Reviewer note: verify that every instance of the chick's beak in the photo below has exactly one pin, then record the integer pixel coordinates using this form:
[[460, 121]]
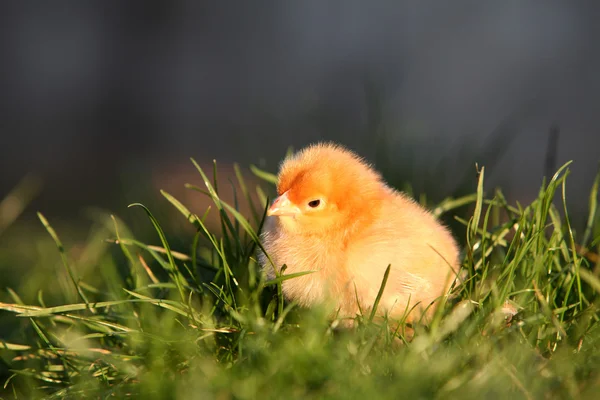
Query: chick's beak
[[282, 206]]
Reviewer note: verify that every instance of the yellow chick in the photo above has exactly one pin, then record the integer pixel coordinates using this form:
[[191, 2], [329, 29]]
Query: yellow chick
[[335, 215]]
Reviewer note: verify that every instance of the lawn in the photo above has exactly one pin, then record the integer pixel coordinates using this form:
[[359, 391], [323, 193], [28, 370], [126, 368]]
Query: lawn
[[148, 310]]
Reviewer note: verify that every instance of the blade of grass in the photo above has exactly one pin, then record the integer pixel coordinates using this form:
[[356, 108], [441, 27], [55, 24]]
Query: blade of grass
[[593, 206], [380, 293], [245, 192], [13, 205], [175, 273], [283, 278], [575, 257], [63, 257], [266, 176]]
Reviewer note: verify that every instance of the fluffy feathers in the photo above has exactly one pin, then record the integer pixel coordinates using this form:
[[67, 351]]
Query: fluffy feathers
[[335, 215]]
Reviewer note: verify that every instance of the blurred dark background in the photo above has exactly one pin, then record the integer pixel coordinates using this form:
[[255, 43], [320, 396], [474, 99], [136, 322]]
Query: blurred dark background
[[96, 97]]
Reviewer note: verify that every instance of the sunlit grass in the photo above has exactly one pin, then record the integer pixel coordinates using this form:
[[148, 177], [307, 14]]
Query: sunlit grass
[[117, 317]]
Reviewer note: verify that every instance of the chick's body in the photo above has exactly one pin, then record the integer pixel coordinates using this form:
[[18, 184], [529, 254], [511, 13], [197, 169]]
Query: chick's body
[[334, 215]]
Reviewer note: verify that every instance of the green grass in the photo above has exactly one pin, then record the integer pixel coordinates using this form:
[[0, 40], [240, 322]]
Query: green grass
[[189, 315]]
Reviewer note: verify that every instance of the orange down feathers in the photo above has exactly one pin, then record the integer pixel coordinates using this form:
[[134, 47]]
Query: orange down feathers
[[336, 216]]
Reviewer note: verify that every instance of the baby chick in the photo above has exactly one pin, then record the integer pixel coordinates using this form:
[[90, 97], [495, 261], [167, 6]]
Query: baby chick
[[336, 216]]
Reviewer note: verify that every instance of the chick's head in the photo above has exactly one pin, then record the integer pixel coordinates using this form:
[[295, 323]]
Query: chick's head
[[324, 188]]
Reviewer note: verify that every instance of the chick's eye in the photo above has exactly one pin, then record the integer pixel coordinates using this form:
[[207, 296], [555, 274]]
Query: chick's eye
[[314, 203]]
